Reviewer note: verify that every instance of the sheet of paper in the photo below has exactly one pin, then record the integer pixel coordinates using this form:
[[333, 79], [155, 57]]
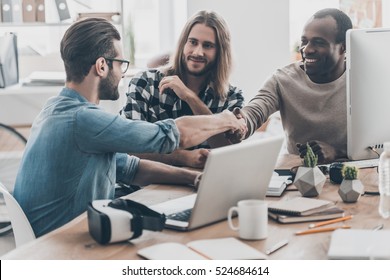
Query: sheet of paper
[[169, 251], [228, 248]]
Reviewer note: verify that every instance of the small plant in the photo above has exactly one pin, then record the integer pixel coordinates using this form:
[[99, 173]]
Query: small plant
[[310, 159], [349, 172]]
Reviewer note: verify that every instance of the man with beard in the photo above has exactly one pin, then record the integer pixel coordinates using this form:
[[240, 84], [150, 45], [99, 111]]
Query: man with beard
[[195, 82], [310, 94], [77, 152]]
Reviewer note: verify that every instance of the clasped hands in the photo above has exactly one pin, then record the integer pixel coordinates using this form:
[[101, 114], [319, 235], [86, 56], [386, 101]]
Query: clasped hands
[[236, 136], [239, 128]]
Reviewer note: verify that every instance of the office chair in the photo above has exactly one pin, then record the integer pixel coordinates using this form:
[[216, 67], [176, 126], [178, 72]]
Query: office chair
[[12, 145], [23, 231]]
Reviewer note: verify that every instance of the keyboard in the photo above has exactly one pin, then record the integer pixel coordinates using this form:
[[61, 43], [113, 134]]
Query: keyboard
[[366, 163], [183, 216]]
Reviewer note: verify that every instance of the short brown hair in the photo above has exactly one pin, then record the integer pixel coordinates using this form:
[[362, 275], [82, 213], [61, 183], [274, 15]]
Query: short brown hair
[[83, 43]]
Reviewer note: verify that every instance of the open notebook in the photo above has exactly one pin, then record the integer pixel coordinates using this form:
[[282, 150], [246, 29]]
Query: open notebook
[[228, 248], [232, 173]]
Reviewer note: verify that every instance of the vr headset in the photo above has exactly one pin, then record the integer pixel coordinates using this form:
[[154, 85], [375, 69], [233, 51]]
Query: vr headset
[[117, 220]]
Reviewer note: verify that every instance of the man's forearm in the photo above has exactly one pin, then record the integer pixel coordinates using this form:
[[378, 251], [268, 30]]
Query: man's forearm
[[199, 108], [252, 118], [174, 158], [190, 158], [196, 129], [152, 172]]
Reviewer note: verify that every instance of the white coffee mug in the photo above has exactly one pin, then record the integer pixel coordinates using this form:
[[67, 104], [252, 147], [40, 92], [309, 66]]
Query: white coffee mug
[[252, 219]]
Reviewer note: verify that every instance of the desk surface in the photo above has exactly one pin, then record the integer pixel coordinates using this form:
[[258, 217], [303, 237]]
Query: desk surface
[[30, 100], [73, 241]]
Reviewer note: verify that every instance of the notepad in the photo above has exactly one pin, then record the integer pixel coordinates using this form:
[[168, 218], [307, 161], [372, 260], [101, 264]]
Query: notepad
[[45, 78], [228, 248], [277, 185], [327, 214], [299, 206]]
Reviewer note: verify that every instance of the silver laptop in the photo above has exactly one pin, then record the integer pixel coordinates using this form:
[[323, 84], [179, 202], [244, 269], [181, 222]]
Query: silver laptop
[[231, 174]]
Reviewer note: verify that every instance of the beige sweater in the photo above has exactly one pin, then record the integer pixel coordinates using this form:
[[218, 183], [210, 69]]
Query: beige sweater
[[309, 111]]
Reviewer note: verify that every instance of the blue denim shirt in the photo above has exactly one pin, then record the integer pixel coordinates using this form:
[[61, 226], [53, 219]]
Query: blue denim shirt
[[75, 154]]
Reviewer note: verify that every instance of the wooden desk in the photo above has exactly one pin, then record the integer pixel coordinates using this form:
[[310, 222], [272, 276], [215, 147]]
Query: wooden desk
[[73, 241]]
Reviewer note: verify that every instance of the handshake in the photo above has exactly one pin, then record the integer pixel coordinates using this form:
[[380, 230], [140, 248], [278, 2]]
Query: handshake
[[237, 135]]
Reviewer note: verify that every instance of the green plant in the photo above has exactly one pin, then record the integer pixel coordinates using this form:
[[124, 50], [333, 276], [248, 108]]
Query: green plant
[[349, 172], [310, 159]]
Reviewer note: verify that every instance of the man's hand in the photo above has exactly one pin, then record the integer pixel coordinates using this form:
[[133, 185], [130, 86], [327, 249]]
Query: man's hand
[[326, 153], [174, 83], [238, 135], [197, 181], [238, 124], [194, 158]]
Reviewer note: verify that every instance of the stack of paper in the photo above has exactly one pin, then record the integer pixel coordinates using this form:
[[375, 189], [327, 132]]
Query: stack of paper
[[300, 206], [303, 209], [327, 214], [277, 185], [45, 78]]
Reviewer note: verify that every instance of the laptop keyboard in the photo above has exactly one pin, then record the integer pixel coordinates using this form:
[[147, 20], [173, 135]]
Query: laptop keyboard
[[183, 216]]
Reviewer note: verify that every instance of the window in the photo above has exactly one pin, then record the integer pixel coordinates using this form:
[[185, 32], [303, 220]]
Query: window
[[363, 13], [151, 27]]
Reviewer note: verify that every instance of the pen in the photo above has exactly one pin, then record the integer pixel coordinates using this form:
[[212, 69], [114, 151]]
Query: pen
[[378, 227], [315, 230], [277, 246], [331, 221]]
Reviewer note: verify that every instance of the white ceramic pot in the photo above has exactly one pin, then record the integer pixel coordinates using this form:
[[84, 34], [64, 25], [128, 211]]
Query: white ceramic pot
[[309, 181]]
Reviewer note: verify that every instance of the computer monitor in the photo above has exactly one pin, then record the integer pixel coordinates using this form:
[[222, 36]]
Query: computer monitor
[[368, 91]]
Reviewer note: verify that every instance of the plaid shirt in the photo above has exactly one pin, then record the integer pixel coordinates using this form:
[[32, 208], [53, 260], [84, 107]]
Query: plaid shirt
[[144, 101]]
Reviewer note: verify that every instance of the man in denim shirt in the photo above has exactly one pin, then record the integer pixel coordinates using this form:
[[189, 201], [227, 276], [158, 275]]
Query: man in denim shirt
[[76, 151]]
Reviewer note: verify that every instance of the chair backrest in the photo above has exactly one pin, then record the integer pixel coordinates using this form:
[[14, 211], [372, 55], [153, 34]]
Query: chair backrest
[[22, 229]]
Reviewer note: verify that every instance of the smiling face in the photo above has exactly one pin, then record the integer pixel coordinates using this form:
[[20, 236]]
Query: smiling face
[[200, 50], [323, 58]]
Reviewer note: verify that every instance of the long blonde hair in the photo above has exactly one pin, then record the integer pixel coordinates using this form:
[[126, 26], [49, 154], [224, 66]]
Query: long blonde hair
[[219, 76]]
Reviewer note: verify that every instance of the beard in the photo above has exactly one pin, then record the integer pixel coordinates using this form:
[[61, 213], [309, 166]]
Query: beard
[[198, 73], [108, 89]]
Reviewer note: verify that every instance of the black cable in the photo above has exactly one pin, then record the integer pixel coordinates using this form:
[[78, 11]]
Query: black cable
[[371, 193], [372, 148]]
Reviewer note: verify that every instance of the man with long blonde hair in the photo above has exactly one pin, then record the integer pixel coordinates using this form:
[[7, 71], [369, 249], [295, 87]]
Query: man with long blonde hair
[[195, 82]]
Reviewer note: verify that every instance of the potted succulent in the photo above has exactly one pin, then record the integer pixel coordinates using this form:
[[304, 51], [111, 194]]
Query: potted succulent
[[351, 187], [309, 179]]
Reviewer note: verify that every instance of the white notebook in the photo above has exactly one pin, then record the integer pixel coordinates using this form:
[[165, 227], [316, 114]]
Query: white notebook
[[228, 248], [277, 185], [299, 206]]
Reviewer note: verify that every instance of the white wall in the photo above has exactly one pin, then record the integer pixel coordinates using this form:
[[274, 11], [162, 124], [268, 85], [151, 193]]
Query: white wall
[[260, 37], [301, 12]]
